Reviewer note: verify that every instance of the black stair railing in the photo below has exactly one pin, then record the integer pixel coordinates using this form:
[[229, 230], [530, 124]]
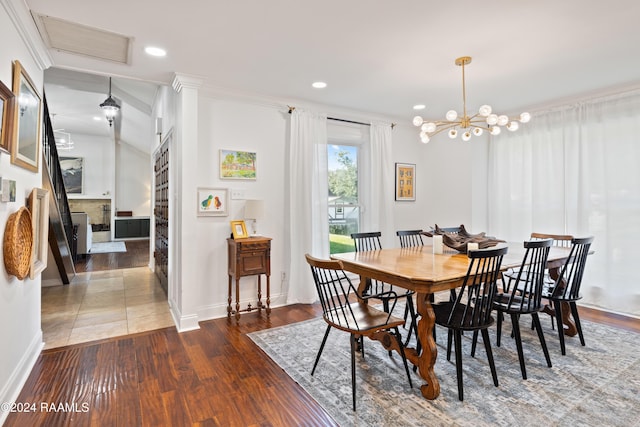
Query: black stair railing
[[57, 182]]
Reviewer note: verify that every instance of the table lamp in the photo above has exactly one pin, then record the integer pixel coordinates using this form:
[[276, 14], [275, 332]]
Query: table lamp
[[253, 210]]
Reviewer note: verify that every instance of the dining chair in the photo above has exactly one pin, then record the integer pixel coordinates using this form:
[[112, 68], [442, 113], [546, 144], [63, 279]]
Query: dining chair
[[359, 319], [471, 309], [370, 241], [410, 238], [522, 294], [566, 289]]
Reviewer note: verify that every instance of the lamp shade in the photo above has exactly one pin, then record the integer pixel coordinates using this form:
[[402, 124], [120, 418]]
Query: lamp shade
[[254, 209]]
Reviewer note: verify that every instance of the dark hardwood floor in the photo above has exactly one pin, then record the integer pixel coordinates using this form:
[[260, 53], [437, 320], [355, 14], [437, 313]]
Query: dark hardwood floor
[[214, 376], [137, 255]]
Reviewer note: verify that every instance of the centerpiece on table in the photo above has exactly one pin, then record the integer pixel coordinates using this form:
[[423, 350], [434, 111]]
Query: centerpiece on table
[[459, 239]]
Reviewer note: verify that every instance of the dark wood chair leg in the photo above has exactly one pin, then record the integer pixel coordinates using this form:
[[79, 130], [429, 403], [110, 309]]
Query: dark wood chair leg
[[449, 339], [516, 332], [487, 347], [500, 316], [536, 322], [576, 320], [474, 342], [458, 340], [353, 369], [558, 308], [324, 340]]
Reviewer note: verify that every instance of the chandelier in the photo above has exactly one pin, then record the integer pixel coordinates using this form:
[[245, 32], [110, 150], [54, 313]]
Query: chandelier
[[110, 107], [476, 124]]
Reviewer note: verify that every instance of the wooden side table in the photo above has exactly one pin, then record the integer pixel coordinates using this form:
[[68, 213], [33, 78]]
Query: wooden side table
[[249, 257]]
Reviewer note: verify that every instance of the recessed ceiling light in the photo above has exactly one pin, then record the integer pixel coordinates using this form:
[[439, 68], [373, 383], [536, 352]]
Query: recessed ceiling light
[[155, 51], [319, 85], [419, 107], [96, 118]]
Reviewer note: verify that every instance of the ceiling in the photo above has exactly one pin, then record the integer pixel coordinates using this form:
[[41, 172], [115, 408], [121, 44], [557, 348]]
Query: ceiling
[[377, 57]]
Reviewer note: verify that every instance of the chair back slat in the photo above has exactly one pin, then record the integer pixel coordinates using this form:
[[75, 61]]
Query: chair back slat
[[474, 299], [367, 241], [567, 287], [526, 292], [370, 241], [334, 288], [410, 238], [559, 240]]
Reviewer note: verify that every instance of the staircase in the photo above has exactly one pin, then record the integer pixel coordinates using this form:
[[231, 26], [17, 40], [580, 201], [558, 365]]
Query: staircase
[[61, 230]]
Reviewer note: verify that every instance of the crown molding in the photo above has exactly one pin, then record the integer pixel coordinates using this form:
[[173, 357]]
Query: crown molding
[[25, 26], [189, 81]]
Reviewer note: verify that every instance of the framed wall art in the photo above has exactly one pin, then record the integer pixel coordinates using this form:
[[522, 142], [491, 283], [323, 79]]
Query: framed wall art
[[72, 174], [405, 182], [7, 100], [25, 145], [213, 201], [39, 208], [237, 164], [239, 229]]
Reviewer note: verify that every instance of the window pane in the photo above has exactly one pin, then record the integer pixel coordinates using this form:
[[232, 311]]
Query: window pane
[[344, 210]]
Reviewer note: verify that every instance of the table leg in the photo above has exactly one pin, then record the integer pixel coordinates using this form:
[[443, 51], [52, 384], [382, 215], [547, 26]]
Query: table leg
[[427, 357], [570, 329], [268, 295], [229, 299], [237, 298], [259, 292]]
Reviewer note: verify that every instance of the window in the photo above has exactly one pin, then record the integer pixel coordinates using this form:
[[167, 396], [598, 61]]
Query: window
[[344, 207]]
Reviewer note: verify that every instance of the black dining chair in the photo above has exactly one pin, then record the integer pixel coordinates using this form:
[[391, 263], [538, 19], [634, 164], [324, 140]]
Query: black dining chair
[[359, 319], [471, 309], [566, 289], [522, 294], [410, 238], [370, 241]]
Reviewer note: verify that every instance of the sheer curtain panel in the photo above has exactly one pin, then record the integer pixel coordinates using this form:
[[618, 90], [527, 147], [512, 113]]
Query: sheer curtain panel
[[378, 215], [308, 201], [575, 171]]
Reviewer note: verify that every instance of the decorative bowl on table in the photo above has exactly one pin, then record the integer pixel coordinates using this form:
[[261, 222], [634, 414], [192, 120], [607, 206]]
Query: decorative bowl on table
[[459, 238]]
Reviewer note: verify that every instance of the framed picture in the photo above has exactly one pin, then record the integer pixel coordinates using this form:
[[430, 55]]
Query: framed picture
[[7, 113], [237, 164], [405, 182], [72, 174], [239, 230], [213, 201], [25, 145], [39, 208]]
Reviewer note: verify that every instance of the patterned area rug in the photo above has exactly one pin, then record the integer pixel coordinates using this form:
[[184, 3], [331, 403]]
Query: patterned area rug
[[596, 385], [107, 247]]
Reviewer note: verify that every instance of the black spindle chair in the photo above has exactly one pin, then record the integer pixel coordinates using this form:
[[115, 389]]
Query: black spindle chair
[[522, 294], [472, 306], [566, 288], [359, 319]]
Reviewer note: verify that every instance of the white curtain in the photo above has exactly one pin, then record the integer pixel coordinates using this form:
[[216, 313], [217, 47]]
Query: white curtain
[[379, 197], [308, 200], [576, 170]]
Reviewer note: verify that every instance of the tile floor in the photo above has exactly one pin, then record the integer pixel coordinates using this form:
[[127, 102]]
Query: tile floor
[[103, 304]]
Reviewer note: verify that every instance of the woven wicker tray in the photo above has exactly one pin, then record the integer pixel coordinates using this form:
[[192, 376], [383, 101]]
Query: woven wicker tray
[[18, 243]]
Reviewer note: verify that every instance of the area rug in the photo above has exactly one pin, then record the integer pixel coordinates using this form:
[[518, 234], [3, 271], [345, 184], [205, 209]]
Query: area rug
[[596, 385], [107, 247]]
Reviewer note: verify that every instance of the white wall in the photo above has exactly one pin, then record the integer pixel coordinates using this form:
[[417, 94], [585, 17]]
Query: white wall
[[98, 156], [133, 181], [21, 336]]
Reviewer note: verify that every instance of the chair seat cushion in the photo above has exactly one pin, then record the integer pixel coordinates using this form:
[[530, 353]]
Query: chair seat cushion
[[519, 304], [459, 320], [367, 318]]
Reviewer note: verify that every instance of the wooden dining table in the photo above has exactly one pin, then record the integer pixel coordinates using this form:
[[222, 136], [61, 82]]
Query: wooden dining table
[[420, 270]]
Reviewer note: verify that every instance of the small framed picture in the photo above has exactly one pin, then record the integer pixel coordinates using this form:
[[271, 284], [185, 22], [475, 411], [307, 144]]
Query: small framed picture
[[239, 229], [237, 164], [213, 201], [7, 100], [405, 182], [39, 208]]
